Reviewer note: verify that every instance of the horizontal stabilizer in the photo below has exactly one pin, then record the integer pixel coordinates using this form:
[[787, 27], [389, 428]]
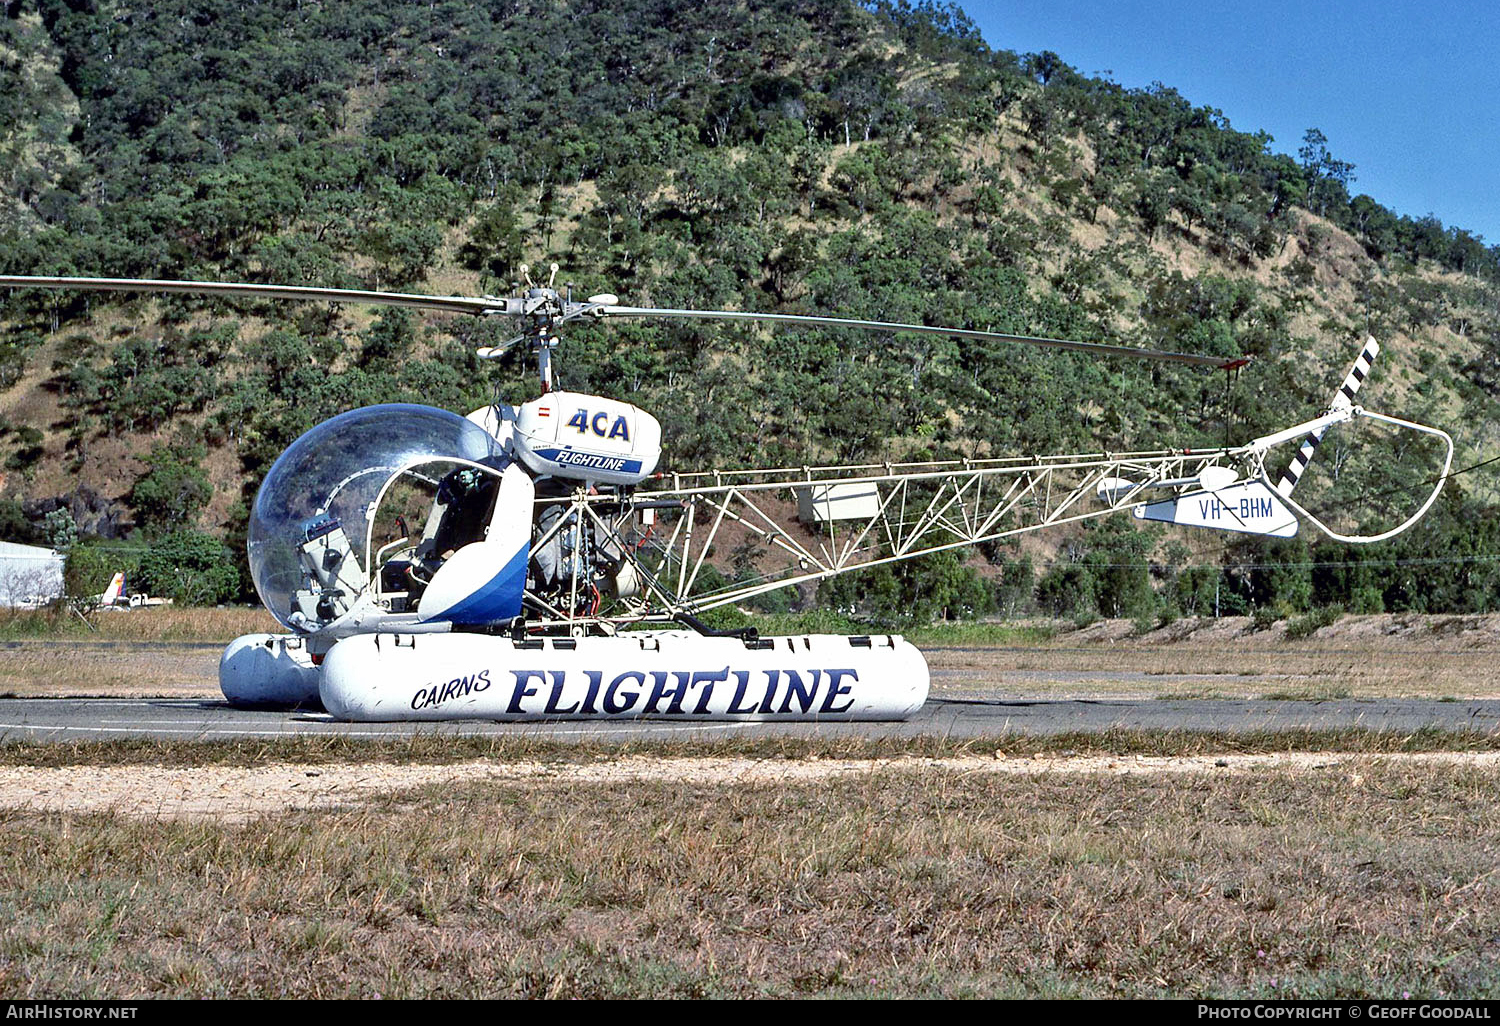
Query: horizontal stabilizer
[[1249, 508]]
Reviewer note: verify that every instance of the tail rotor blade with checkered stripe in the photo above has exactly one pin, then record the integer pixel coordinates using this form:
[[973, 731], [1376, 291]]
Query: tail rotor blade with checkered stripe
[[1342, 399]]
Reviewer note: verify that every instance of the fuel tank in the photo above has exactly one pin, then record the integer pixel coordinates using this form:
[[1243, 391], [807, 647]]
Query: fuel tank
[[669, 675], [588, 438]]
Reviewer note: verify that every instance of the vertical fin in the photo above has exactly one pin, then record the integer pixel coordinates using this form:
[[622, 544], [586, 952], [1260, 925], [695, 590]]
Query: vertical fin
[[1342, 399]]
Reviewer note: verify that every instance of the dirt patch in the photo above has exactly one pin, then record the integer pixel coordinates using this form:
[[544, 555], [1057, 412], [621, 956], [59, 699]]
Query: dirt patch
[[62, 669], [1376, 633], [236, 794]]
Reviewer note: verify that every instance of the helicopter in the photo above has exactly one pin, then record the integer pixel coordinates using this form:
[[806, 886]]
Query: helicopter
[[536, 562]]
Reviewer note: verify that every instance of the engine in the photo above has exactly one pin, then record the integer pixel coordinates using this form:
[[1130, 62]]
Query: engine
[[576, 562]]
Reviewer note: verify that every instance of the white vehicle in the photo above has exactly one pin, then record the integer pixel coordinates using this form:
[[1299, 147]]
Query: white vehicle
[[548, 554]]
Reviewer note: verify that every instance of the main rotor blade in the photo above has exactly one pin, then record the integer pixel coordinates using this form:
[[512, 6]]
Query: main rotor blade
[[1099, 348], [451, 304], [517, 307]]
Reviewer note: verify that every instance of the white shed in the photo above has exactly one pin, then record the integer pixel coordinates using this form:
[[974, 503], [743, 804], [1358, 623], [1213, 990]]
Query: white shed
[[30, 576]]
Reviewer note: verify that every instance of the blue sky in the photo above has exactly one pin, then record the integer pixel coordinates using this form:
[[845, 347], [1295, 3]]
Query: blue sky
[[1408, 92]]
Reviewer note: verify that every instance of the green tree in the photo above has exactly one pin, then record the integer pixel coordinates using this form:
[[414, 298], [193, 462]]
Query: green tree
[[86, 573], [59, 529], [1068, 589], [173, 491], [15, 526], [191, 568], [495, 242], [913, 592]]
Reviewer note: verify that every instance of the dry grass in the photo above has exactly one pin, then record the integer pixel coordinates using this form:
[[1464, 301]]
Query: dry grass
[[72, 669], [1214, 672], [240, 793], [441, 749], [85, 667], [158, 623], [1358, 657], [161, 651], [1360, 878]]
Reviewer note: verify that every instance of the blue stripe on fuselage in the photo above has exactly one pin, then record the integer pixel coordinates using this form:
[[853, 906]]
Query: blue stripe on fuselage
[[498, 600]]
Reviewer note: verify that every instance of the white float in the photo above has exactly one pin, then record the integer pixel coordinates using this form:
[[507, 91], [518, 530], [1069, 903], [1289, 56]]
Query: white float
[[672, 675], [269, 669]]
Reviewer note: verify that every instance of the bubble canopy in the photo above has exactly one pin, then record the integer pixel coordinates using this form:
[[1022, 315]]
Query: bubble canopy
[[329, 480]]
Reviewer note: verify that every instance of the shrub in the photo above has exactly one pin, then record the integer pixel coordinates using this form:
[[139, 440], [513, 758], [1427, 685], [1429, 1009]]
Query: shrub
[[86, 574], [191, 568], [28, 449], [1265, 617], [1303, 626], [1085, 617]]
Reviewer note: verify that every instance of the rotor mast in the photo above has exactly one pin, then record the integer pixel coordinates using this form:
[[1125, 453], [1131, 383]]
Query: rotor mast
[[542, 304]]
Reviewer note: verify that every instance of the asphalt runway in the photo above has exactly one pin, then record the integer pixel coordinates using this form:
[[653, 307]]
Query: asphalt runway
[[82, 719]]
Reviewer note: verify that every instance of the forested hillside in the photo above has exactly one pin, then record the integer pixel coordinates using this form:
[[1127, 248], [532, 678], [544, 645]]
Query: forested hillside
[[870, 160]]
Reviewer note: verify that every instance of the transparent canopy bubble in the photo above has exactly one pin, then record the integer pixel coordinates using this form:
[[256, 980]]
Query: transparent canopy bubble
[[329, 480]]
